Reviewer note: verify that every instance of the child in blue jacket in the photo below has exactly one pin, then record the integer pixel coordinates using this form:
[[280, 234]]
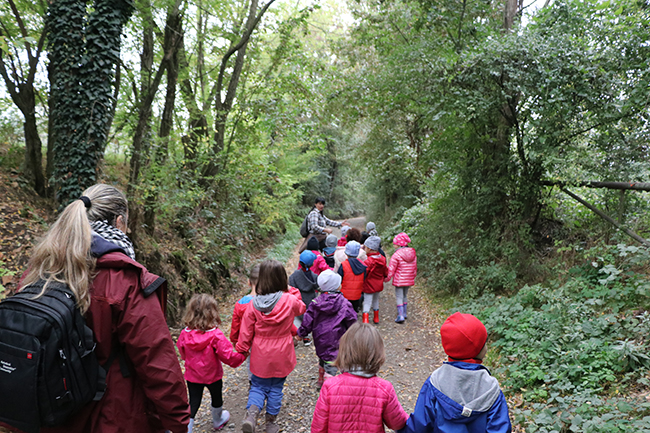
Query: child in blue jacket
[[461, 396]]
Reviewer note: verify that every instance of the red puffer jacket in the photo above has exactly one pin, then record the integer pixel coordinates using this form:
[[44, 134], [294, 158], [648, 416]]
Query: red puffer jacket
[[353, 404], [403, 267], [125, 310], [375, 273]]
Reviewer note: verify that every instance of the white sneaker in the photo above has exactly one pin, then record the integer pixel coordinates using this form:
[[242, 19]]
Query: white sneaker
[[221, 423]]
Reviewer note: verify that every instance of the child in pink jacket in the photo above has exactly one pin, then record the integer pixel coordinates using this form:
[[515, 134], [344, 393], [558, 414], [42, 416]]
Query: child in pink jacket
[[266, 331], [402, 269], [204, 347], [358, 401]]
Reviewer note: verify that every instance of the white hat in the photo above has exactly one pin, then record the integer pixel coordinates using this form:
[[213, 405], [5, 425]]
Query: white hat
[[329, 281]]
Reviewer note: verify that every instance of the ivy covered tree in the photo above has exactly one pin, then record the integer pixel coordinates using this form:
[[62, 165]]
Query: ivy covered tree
[[84, 50]]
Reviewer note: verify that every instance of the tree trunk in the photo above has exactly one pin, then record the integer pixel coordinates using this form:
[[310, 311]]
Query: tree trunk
[[33, 154], [138, 154], [637, 186], [198, 123], [84, 49], [173, 31]]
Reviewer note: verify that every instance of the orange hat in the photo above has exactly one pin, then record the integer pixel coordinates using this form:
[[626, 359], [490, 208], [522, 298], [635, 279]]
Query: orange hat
[[463, 336]]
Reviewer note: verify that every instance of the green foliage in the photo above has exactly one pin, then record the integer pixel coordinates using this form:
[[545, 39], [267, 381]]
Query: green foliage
[[466, 121], [565, 343], [284, 247]]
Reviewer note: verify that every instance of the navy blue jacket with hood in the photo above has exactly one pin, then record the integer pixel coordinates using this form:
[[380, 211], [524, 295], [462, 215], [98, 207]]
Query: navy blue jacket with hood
[[460, 397]]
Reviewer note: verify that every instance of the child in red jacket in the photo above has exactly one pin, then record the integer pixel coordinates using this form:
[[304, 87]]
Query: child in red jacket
[[242, 304], [376, 272], [358, 400], [204, 347], [266, 331]]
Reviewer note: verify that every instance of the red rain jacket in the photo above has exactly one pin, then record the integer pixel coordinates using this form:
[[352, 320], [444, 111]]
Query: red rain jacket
[[268, 337], [127, 309]]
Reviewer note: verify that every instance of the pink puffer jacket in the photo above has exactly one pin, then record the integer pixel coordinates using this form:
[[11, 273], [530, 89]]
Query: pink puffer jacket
[[353, 404], [403, 267]]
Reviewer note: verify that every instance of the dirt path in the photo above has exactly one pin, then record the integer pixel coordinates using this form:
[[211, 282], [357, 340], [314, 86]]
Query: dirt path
[[413, 351]]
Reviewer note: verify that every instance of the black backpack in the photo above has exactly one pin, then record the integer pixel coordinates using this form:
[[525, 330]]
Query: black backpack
[[304, 227], [48, 367]]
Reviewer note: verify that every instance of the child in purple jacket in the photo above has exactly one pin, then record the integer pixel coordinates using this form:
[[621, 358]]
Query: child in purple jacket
[[327, 318]]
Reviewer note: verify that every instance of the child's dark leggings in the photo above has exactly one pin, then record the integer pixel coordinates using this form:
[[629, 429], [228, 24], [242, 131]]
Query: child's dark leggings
[[196, 393], [356, 305]]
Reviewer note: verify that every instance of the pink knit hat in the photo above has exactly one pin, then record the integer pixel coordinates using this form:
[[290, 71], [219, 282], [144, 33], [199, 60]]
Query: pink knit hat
[[401, 240]]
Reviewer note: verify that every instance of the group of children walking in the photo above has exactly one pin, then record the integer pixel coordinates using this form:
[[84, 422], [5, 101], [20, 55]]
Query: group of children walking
[[350, 353]]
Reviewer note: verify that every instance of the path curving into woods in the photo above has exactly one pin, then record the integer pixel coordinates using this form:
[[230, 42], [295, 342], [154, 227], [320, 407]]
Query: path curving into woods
[[413, 351]]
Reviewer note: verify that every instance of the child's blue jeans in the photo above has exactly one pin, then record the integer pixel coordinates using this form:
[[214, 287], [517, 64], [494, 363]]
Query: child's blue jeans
[[270, 389]]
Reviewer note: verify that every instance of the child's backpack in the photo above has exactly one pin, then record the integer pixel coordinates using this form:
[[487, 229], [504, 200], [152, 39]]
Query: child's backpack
[[48, 367], [304, 227]]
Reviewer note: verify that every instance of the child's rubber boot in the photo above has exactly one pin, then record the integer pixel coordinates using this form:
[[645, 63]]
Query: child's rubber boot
[[321, 376], [400, 314], [248, 426], [375, 319], [190, 427], [220, 418], [405, 315], [271, 426], [365, 318]]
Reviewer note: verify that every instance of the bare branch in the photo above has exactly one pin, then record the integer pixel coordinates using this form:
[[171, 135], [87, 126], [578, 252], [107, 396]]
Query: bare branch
[[21, 25], [607, 218], [243, 41]]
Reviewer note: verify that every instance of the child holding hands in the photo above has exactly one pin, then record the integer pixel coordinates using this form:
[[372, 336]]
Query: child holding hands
[[266, 332], [402, 269], [461, 395], [327, 318], [357, 400], [204, 347], [242, 304]]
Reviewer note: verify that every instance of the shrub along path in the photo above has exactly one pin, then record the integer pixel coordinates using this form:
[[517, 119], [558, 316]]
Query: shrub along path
[[413, 351]]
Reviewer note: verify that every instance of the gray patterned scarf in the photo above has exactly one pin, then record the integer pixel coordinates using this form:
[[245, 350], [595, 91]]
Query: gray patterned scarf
[[114, 235]]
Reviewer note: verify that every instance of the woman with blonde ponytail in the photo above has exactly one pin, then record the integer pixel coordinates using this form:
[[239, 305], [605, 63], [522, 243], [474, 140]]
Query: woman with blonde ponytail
[[87, 249]]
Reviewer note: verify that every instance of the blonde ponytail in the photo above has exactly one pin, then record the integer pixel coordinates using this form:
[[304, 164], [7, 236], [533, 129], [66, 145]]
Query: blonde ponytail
[[64, 254]]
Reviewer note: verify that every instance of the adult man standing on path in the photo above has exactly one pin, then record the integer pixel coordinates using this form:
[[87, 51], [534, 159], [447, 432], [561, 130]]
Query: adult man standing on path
[[317, 224]]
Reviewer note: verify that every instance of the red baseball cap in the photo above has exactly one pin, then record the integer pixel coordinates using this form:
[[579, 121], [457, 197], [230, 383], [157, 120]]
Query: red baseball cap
[[463, 336]]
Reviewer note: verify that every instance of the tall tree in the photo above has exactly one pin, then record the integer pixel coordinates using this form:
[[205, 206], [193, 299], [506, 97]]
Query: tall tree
[[84, 50], [222, 94], [150, 81], [19, 79]]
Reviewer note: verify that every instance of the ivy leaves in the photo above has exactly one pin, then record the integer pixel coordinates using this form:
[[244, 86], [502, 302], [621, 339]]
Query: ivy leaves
[[83, 51]]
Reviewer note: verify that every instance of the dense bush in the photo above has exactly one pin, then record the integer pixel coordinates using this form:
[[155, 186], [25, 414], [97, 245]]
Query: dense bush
[[575, 347]]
